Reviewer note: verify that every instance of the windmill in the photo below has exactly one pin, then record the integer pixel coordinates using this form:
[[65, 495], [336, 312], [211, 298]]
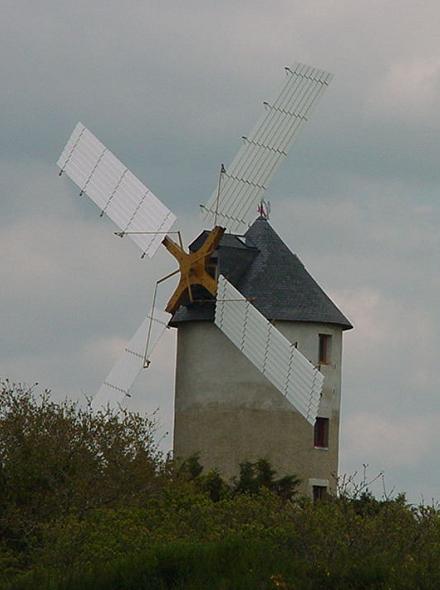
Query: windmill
[[240, 190]]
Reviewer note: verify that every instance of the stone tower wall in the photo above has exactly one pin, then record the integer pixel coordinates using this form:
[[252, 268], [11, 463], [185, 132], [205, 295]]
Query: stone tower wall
[[228, 412]]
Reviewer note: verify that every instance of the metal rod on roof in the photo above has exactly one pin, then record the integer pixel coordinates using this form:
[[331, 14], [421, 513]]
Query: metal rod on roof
[[151, 316], [147, 344], [213, 300], [121, 234], [222, 171]]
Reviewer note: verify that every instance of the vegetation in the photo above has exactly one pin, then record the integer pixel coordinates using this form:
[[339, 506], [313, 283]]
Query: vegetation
[[88, 501]]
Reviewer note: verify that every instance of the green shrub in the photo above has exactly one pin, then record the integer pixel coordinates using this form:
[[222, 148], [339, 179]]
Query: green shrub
[[87, 501]]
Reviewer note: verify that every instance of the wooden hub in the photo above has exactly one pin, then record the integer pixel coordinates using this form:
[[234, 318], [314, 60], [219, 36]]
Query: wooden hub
[[193, 268]]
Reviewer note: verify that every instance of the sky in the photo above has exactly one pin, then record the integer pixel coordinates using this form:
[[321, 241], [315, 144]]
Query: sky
[[170, 87]]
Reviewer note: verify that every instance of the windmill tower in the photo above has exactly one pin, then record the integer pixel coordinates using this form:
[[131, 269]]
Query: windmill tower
[[225, 409], [259, 343]]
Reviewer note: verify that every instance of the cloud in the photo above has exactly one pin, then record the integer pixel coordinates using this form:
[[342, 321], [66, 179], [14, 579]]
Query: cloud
[[389, 443], [409, 89]]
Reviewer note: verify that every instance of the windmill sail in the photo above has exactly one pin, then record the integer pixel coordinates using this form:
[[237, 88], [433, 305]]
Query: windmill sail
[[117, 192], [271, 353], [244, 182], [135, 357]]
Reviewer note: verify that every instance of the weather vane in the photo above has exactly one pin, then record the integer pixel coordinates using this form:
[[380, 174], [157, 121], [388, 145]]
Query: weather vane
[[264, 209]]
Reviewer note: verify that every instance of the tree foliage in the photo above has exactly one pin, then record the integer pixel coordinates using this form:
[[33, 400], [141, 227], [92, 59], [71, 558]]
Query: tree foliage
[[253, 478], [57, 459], [88, 501]]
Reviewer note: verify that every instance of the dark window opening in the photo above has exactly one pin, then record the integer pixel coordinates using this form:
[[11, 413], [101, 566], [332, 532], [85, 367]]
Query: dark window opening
[[319, 493], [324, 348], [321, 432]]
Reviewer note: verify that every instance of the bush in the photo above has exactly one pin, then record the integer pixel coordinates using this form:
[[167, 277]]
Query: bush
[[87, 501]]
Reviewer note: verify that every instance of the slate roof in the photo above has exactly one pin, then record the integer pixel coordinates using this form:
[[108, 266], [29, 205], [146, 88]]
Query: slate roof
[[261, 266]]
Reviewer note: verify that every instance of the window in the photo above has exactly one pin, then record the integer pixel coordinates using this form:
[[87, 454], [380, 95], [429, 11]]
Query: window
[[321, 433], [325, 345], [319, 493]]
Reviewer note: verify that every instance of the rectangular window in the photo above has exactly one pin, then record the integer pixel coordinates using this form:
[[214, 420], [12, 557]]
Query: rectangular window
[[319, 493], [321, 432], [325, 345]]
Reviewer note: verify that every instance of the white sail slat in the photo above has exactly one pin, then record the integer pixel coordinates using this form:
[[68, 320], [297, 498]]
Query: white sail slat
[[115, 190], [135, 357], [269, 350], [246, 179]]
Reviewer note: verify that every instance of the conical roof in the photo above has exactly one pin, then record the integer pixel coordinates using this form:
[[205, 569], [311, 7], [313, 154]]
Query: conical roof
[[262, 267], [282, 287]]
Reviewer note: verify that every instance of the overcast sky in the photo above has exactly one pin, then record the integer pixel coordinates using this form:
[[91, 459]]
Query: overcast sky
[[170, 87]]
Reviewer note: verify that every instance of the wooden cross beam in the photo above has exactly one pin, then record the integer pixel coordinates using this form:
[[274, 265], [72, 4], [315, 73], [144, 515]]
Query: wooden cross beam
[[193, 268]]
